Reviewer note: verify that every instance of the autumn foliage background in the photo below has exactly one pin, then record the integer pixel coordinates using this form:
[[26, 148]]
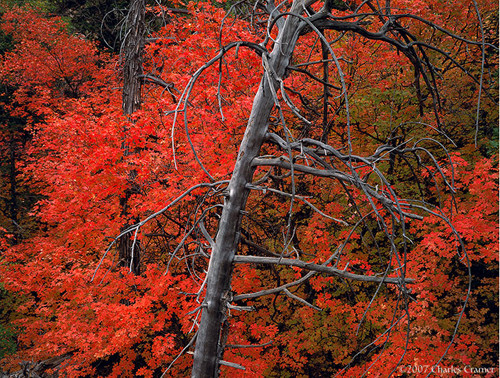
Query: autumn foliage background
[[63, 173]]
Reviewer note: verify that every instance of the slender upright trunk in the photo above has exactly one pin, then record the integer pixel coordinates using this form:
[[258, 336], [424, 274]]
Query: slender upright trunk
[[13, 206], [133, 48], [209, 349]]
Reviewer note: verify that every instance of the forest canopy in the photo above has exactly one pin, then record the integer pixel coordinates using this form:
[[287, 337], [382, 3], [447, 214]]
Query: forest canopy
[[303, 189]]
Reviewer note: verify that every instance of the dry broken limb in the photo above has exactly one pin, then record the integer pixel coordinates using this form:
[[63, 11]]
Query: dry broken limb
[[317, 159]]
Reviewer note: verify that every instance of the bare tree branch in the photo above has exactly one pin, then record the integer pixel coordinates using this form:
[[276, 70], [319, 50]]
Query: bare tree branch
[[317, 268]]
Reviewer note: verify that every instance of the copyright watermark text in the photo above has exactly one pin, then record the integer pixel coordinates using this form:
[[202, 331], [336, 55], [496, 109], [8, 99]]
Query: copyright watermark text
[[445, 370]]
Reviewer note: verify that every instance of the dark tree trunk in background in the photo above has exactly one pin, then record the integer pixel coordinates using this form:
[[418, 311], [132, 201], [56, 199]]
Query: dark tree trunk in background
[[132, 58], [132, 55], [13, 208]]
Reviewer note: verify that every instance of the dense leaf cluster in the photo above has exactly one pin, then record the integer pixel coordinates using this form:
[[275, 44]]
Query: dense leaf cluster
[[64, 174]]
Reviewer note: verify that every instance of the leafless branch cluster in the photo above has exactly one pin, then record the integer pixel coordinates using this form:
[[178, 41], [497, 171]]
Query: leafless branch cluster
[[290, 164]]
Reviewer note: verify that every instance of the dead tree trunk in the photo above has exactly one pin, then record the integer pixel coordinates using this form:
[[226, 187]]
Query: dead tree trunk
[[209, 349], [132, 52], [320, 162]]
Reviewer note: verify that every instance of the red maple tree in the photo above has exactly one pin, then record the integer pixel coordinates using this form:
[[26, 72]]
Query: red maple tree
[[76, 301]]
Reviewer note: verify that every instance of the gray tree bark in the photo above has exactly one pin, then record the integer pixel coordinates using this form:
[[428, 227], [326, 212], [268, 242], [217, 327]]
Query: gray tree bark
[[209, 348]]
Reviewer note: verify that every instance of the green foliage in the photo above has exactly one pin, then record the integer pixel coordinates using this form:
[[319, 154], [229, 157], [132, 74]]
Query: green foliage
[[43, 5], [96, 19], [7, 342], [6, 43], [8, 303]]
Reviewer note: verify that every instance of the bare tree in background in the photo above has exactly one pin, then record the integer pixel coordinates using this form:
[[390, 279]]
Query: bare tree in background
[[303, 157]]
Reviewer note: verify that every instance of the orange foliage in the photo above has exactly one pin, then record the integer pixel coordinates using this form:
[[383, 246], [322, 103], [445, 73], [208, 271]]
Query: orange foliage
[[125, 325]]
